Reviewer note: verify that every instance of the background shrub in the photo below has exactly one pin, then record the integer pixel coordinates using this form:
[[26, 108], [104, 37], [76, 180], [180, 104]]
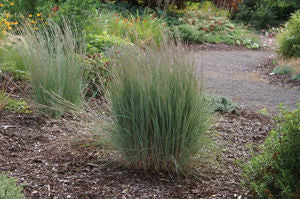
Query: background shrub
[[289, 39], [141, 30], [210, 24], [161, 3], [159, 111], [264, 14], [275, 173], [96, 44], [97, 75], [9, 188]]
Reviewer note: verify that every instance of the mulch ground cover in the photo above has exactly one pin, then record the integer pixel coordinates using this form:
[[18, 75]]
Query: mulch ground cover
[[265, 69], [41, 154], [53, 159]]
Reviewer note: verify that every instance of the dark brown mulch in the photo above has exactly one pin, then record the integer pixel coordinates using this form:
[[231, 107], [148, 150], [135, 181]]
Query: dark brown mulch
[[266, 67], [37, 152]]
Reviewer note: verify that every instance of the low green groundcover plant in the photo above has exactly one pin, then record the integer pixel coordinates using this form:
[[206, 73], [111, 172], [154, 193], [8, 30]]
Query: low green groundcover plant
[[289, 39], [221, 104], [159, 112], [296, 77], [282, 70], [263, 14], [9, 188], [275, 173], [17, 105]]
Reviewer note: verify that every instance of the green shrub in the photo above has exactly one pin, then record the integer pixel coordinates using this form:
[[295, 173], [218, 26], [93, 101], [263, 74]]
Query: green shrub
[[9, 188], [264, 14], [289, 39], [141, 30], [52, 57], [99, 43], [160, 3], [159, 111], [210, 24], [190, 33], [97, 75], [275, 173]]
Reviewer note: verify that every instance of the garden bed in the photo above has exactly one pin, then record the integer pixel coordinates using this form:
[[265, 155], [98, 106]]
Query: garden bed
[[266, 68], [44, 156]]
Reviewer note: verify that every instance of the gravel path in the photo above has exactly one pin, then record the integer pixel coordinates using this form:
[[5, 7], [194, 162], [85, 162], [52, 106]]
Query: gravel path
[[232, 74]]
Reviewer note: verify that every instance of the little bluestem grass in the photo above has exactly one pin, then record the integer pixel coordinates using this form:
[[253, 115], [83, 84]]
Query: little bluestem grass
[[52, 55], [159, 112]]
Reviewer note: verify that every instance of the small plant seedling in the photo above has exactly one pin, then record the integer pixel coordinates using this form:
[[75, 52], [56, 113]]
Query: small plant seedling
[[264, 111], [282, 70], [4, 98], [17, 105], [296, 77]]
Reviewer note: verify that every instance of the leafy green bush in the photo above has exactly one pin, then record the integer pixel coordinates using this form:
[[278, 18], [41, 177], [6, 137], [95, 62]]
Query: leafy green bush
[[99, 43], [159, 111], [190, 33], [207, 24], [141, 30], [275, 173], [160, 3], [52, 57], [266, 13], [9, 188], [97, 75], [289, 39]]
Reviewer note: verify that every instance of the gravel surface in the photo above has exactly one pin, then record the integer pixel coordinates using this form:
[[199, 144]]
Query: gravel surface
[[233, 74]]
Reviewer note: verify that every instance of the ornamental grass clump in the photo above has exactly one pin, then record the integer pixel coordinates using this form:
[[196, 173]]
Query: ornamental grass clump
[[52, 55], [159, 113]]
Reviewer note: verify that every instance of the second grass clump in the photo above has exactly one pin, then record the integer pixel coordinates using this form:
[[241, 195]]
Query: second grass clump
[[159, 112], [52, 55]]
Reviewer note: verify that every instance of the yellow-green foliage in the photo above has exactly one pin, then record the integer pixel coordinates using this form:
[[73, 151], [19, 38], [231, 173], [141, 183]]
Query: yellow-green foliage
[[9, 188], [289, 39], [141, 30]]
